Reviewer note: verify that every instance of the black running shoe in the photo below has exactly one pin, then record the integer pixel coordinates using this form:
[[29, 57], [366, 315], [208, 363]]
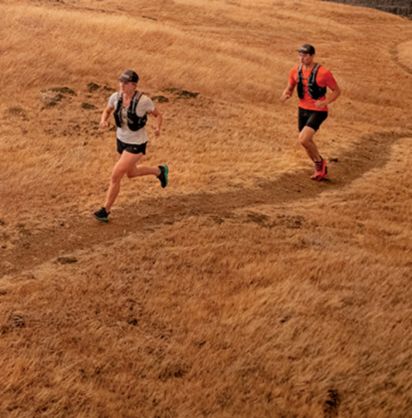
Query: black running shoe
[[164, 175], [102, 215]]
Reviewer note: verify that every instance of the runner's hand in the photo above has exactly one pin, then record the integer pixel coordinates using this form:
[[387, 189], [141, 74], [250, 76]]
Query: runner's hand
[[321, 103], [104, 124], [285, 96], [157, 131]]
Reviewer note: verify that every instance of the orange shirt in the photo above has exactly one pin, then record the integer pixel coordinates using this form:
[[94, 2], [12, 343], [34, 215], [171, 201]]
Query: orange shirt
[[324, 78]]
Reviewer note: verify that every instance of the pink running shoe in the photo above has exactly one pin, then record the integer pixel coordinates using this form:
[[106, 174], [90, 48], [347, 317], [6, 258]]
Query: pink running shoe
[[321, 170]]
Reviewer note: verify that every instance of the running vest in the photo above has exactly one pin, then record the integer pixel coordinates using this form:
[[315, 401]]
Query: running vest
[[315, 91], [134, 122]]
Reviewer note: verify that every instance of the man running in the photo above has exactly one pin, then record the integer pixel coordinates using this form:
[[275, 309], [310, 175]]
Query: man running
[[312, 81], [130, 109]]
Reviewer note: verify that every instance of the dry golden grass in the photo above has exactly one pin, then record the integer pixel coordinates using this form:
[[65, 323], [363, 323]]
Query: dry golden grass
[[241, 290]]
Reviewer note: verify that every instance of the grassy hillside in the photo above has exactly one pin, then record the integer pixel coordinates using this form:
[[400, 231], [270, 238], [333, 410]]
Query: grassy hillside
[[243, 289]]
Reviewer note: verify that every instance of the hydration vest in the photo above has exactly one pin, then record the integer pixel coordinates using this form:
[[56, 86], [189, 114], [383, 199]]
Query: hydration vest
[[315, 91], [134, 122]]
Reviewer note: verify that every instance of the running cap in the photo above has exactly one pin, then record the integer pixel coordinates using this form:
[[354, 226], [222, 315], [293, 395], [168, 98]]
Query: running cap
[[307, 49], [129, 76]]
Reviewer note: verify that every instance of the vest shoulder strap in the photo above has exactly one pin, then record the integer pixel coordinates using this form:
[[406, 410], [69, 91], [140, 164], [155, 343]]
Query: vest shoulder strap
[[314, 73], [135, 100], [300, 72], [119, 101]]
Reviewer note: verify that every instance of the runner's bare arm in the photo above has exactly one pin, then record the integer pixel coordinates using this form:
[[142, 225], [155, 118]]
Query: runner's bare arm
[[159, 118], [287, 93], [331, 98], [104, 120]]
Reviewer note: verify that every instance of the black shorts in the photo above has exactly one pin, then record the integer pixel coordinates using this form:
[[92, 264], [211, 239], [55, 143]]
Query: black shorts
[[311, 118], [132, 148]]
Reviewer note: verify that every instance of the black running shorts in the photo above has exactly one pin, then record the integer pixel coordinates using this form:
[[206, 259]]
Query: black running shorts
[[132, 148], [311, 118]]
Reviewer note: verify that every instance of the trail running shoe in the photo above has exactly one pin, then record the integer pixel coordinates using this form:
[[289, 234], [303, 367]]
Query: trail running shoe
[[321, 170], [164, 175], [102, 215]]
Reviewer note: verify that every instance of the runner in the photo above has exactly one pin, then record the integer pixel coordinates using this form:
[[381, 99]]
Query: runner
[[312, 81], [130, 109]]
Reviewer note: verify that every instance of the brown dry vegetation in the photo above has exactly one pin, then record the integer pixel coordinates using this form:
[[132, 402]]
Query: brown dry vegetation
[[241, 290]]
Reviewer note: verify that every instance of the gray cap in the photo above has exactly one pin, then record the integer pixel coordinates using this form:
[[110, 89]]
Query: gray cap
[[307, 49], [129, 76]]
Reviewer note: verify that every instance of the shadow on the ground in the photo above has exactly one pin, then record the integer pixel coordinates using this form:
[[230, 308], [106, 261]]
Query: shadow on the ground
[[371, 151]]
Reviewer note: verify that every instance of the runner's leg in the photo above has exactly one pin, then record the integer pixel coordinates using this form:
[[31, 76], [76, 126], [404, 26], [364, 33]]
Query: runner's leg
[[306, 139], [136, 171], [125, 163]]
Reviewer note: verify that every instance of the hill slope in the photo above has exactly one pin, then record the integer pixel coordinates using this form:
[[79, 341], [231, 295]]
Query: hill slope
[[241, 290]]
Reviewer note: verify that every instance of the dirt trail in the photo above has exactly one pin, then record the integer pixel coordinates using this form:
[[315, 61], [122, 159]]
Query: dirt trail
[[371, 151]]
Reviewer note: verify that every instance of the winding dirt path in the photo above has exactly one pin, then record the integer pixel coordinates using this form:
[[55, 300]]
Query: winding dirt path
[[371, 151]]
